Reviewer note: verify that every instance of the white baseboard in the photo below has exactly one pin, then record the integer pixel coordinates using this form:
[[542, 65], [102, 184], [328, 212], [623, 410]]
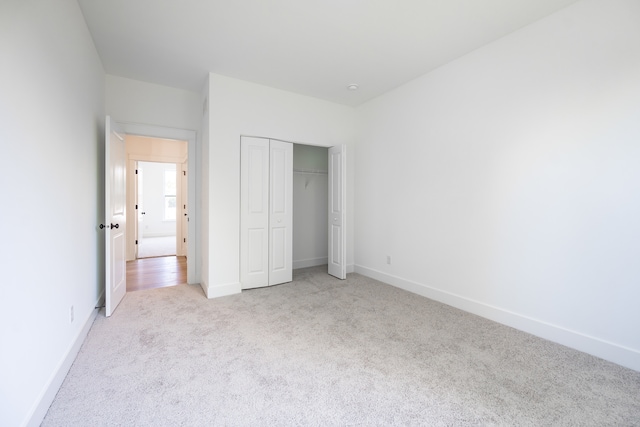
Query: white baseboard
[[311, 262], [612, 352], [220, 290], [39, 411]]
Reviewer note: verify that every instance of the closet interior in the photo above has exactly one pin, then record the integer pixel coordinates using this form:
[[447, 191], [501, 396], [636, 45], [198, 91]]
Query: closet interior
[[310, 200]]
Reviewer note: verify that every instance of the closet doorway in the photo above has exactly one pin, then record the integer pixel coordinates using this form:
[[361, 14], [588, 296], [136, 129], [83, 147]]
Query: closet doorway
[[310, 205], [307, 185], [319, 214]]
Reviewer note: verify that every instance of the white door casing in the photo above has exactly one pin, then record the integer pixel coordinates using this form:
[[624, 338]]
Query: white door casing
[[136, 213], [115, 217], [280, 212], [266, 218], [182, 222], [132, 210], [337, 257]]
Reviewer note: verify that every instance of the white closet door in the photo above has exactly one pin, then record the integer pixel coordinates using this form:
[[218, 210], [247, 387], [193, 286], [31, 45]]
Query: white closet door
[[337, 257], [254, 216], [280, 212]]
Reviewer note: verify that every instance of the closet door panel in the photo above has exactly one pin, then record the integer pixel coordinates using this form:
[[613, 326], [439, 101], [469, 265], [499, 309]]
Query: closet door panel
[[254, 217], [337, 260], [256, 260], [280, 212], [278, 249]]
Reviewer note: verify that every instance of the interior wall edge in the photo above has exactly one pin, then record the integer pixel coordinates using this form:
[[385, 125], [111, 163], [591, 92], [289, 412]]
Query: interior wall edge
[[205, 287], [612, 352]]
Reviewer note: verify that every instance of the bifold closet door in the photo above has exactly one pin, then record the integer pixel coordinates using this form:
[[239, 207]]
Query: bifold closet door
[[337, 257], [266, 219], [280, 212], [254, 217]]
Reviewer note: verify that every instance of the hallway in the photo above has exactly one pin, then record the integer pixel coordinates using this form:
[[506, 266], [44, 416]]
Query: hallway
[[150, 247], [160, 272]]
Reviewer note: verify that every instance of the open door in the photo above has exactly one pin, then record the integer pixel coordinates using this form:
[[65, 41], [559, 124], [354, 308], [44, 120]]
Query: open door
[[337, 257], [115, 217]]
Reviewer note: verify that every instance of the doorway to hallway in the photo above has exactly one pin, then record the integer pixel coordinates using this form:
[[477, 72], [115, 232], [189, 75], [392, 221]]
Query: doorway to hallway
[[152, 247], [158, 208], [175, 140]]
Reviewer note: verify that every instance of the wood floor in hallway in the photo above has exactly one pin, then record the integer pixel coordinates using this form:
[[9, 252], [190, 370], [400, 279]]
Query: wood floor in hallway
[[160, 272]]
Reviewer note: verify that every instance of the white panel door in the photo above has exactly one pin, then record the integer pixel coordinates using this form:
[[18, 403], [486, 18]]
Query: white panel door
[[337, 257], [280, 212], [254, 212], [115, 217]]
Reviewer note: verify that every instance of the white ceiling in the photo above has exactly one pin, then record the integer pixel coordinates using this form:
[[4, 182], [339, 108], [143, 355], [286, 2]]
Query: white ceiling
[[311, 47]]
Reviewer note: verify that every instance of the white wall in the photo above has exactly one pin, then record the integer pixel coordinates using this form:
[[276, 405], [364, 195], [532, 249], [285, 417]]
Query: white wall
[[310, 206], [241, 108], [151, 104], [506, 183], [52, 133]]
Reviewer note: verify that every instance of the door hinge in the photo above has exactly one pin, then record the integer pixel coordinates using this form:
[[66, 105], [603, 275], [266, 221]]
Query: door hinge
[[136, 206], [184, 206], [136, 242], [184, 173], [185, 240], [136, 171]]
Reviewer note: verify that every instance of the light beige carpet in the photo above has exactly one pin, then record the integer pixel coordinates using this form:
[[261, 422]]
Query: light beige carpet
[[320, 351]]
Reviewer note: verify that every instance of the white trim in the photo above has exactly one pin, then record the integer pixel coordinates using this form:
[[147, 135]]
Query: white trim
[[309, 262], [221, 290], [612, 352], [48, 394]]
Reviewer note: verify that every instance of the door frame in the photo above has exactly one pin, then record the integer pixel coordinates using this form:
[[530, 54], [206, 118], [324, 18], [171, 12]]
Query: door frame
[[193, 244]]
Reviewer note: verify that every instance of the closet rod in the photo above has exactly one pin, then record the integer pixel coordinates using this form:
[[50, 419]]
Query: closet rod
[[310, 172]]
